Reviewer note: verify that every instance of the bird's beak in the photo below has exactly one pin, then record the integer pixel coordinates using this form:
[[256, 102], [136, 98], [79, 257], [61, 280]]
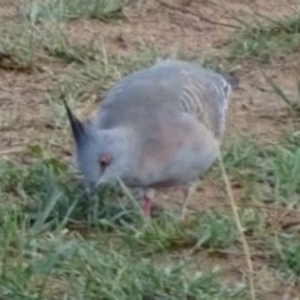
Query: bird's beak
[[87, 195], [101, 182], [90, 191]]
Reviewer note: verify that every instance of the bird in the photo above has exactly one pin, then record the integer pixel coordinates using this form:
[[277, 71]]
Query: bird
[[158, 127]]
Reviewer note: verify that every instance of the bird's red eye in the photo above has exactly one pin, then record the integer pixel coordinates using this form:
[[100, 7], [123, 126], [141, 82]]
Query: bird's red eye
[[105, 160]]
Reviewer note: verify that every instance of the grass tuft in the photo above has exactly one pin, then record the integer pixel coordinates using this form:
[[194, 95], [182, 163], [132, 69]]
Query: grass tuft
[[266, 41], [37, 248], [104, 10], [18, 49], [293, 103], [288, 256]]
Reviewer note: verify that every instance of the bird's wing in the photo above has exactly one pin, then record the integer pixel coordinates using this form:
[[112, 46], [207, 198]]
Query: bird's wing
[[205, 94], [168, 86]]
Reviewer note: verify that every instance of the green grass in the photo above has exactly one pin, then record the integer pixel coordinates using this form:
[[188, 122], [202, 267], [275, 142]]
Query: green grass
[[37, 247], [17, 48], [266, 41], [51, 232], [56, 10], [89, 270], [276, 167], [288, 255]]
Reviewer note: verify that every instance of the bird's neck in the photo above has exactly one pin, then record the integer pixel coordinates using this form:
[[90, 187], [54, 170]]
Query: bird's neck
[[125, 141], [128, 152], [125, 137]]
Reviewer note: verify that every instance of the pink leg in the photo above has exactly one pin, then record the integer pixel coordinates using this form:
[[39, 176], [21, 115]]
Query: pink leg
[[147, 205], [188, 192], [184, 190]]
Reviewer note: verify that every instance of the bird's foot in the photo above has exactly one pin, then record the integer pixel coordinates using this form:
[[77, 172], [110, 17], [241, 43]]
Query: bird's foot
[[188, 191], [147, 206]]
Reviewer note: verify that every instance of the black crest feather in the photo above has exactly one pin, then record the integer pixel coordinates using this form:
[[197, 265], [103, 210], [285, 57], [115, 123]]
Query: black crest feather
[[78, 130]]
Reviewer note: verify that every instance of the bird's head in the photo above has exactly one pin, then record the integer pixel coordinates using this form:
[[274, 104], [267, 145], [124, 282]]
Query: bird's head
[[102, 154]]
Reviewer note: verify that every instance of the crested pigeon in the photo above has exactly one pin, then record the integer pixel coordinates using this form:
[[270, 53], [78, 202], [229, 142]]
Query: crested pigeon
[[157, 127]]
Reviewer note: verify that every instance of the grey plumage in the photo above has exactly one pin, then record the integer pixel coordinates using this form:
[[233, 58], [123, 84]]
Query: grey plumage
[[182, 85], [161, 126]]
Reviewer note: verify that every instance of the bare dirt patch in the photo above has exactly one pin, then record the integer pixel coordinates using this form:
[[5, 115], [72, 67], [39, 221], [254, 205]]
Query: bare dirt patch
[[197, 28], [23, 107], [256, 109]]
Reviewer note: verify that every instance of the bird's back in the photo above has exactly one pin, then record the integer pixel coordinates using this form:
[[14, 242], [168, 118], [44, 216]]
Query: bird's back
[[174, 112], [167, 88]]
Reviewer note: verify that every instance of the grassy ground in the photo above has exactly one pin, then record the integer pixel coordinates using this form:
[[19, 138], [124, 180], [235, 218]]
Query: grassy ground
[[56, 245]]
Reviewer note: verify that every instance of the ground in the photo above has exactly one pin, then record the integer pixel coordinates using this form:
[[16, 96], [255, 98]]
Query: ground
[[50, 48]]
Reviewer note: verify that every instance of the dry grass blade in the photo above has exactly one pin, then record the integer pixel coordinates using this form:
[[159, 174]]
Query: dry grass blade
[[239, 226], [129, 195], [197, 14], [12, 151], [279, 91]]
